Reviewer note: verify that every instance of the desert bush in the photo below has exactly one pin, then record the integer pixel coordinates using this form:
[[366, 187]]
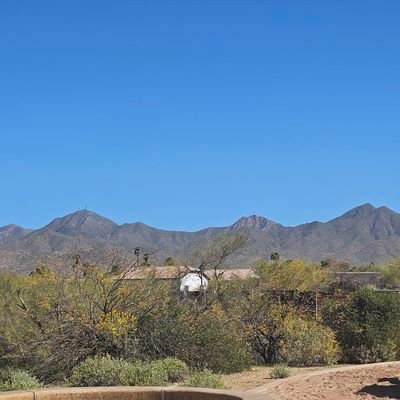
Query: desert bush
[[176, 370], [148, 374], [307, 342], [235, 324], [367, 325], [287, 333], [16, 379], [201, 337], [376, 353], [205, 379], [390, 274], [106, 371], [292, 275], [113, 317], [16, 329], [101, 371], [41, 334], [262, 319], [284, 289], [279, 371]]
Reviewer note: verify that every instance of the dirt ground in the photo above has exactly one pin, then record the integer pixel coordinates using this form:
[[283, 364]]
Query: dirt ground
[[367, 382], [370, 382], [259, 376]]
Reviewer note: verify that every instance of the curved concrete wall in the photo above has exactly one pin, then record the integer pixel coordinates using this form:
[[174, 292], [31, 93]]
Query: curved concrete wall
[[128, 393]]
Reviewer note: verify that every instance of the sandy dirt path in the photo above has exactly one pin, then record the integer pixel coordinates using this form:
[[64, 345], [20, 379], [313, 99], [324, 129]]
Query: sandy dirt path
[[365, 382]]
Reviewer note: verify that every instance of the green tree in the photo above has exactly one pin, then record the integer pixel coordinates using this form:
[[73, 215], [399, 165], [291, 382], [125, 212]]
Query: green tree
[[169, 261], [367, 325]]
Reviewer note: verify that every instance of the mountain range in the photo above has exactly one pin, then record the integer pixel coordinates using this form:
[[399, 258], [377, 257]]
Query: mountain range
[[362, 235]]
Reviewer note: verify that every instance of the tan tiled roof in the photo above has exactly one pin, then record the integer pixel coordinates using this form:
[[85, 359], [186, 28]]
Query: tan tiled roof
[[177, 272], [230, 274], [166, 272], [359, 278]]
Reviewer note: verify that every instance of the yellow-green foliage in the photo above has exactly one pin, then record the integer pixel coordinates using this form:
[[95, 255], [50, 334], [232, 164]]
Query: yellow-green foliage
[[203, 337], [367, 325], [205, 379], [16, 379], [307, 342], [292, 275], [391, 274], [176, 370], [51, 323], [117, 323], [106, 371], [279, 371]]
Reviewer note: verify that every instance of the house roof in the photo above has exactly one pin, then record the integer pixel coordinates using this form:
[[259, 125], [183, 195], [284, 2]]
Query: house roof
[[177, 272], [230, 274], [167, 272], [359, 278]]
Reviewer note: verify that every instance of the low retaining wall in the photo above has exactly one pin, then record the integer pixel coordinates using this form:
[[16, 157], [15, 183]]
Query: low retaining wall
[[129, 393]]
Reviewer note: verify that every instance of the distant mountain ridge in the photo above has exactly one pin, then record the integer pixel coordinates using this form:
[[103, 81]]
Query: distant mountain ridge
[[254, 222], [362, 235], [12, 232]]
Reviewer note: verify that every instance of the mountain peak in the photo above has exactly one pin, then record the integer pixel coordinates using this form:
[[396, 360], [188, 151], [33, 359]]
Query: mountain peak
[[10, 227], [84, 212], [368, 207], [386, 210], [253, 222], [83, 222], [360, 211], [13, 231]]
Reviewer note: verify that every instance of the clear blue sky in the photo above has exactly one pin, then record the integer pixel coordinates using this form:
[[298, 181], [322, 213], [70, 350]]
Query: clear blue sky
[[186, 114]]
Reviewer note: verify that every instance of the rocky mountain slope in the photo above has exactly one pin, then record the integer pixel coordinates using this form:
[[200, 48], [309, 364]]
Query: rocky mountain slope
[[362, 235]]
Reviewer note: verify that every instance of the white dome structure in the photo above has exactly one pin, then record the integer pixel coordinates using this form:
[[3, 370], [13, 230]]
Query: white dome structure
[[194, 282]]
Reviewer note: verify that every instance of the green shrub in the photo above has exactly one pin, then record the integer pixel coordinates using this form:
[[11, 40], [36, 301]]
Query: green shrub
[[280, 371], [147, 374], [202, 338], [391, 274], [205, 379], [376, 353], [106, 371], [176, 370], [367, 325], [307, 342], [16, 379], [101, 371]]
